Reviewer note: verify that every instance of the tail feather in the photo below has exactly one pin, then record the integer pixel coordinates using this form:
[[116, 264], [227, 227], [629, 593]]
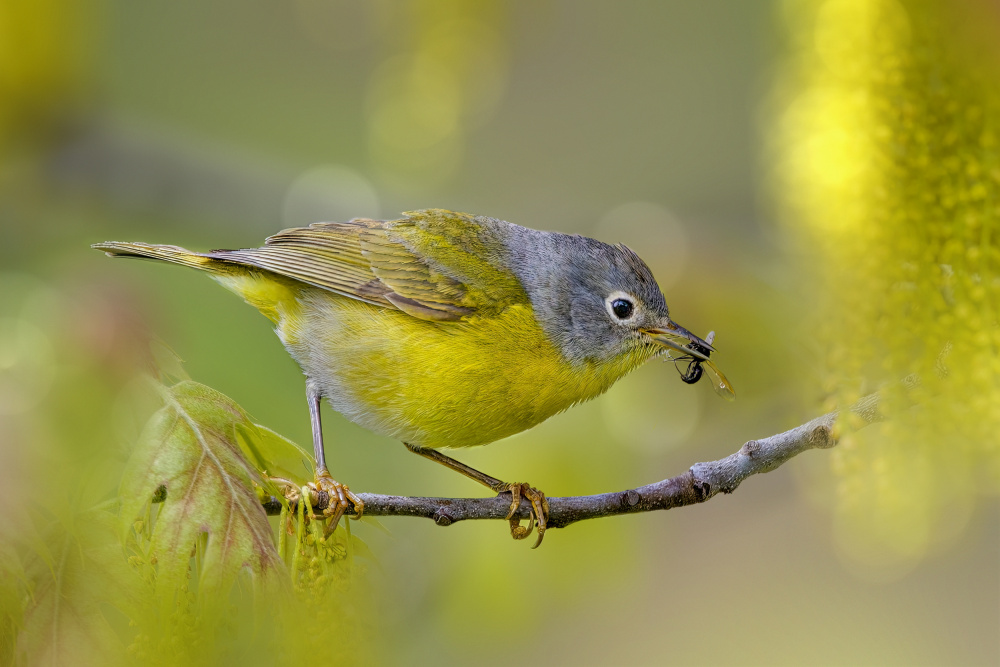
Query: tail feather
[[166, 253], [271, 294]]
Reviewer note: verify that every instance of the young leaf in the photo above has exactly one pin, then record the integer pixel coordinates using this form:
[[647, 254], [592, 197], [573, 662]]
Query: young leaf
[[190, 447], [274, 454]]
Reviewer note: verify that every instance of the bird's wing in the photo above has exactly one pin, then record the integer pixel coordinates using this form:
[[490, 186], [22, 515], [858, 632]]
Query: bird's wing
[[325, 254], [442, 265], [433, 264]]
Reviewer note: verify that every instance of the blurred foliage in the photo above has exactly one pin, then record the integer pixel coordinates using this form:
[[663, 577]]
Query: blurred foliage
[[79, 571], [198, 576], [218, 582], [890, 172]]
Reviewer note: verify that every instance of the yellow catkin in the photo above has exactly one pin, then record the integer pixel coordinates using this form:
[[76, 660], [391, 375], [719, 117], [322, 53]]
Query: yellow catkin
[[888, 174]]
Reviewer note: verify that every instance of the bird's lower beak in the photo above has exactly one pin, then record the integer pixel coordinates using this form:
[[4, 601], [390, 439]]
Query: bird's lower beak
[[676, 337]]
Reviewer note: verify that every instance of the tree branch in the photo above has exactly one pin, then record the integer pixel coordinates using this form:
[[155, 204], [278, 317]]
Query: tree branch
[[701, 482]]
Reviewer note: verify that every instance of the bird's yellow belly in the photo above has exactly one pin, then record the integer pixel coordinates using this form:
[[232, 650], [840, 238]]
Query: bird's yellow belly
[[435, 384]]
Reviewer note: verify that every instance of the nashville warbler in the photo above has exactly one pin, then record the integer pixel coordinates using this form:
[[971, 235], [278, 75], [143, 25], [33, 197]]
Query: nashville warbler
[[444, 329]]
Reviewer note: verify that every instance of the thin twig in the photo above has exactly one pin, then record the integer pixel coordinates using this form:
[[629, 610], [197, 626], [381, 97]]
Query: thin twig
[[701, 482]]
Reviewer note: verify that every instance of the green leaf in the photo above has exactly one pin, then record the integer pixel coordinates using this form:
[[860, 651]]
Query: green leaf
[[275, 455], [362, 550], [373, 521], [190, 447]]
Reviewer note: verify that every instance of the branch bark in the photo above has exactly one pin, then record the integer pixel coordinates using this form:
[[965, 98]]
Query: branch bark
[[699, 483]]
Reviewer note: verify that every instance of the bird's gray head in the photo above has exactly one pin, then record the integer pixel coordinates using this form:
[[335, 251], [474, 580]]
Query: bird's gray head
[[595, 301]]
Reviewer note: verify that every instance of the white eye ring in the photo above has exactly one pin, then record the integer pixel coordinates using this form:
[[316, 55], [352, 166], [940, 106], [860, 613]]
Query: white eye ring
[[623, 313]]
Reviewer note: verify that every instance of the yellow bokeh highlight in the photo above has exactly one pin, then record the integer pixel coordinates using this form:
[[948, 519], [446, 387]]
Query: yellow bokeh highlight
[[889, 176]]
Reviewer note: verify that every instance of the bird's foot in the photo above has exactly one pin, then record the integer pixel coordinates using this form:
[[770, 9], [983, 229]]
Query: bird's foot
[[539, 510], [340, 498]]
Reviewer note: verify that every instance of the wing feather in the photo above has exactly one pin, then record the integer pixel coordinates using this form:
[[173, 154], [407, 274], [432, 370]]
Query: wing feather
[[434, 265]]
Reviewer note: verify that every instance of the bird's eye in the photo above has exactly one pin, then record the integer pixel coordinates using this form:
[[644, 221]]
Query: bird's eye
[[622, 308]]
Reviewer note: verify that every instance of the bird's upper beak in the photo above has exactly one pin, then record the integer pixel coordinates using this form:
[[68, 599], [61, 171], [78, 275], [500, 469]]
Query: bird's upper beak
[[676, 337]]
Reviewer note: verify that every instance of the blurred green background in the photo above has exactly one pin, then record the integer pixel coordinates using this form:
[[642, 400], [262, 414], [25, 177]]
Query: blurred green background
[[212, 124]]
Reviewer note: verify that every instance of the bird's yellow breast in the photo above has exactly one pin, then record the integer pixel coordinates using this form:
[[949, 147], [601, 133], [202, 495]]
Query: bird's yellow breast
[[433, 384]]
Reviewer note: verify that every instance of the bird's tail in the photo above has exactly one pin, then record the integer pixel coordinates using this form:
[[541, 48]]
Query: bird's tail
[[273, 295], [166, 253]]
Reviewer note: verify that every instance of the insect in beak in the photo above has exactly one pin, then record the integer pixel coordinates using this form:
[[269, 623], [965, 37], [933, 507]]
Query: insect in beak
[[678, 338], [696, 352]]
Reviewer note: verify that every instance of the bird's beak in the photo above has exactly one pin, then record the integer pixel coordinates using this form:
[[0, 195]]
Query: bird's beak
[[676, 337]]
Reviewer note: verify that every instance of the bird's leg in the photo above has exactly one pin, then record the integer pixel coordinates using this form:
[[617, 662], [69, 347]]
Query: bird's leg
[[539, 504], [340, 497]]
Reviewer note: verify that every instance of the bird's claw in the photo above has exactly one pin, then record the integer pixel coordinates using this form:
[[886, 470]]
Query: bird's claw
[[340, 498], [539, 510]]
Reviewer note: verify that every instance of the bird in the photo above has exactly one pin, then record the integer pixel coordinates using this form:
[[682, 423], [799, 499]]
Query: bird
[[448, 330]]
